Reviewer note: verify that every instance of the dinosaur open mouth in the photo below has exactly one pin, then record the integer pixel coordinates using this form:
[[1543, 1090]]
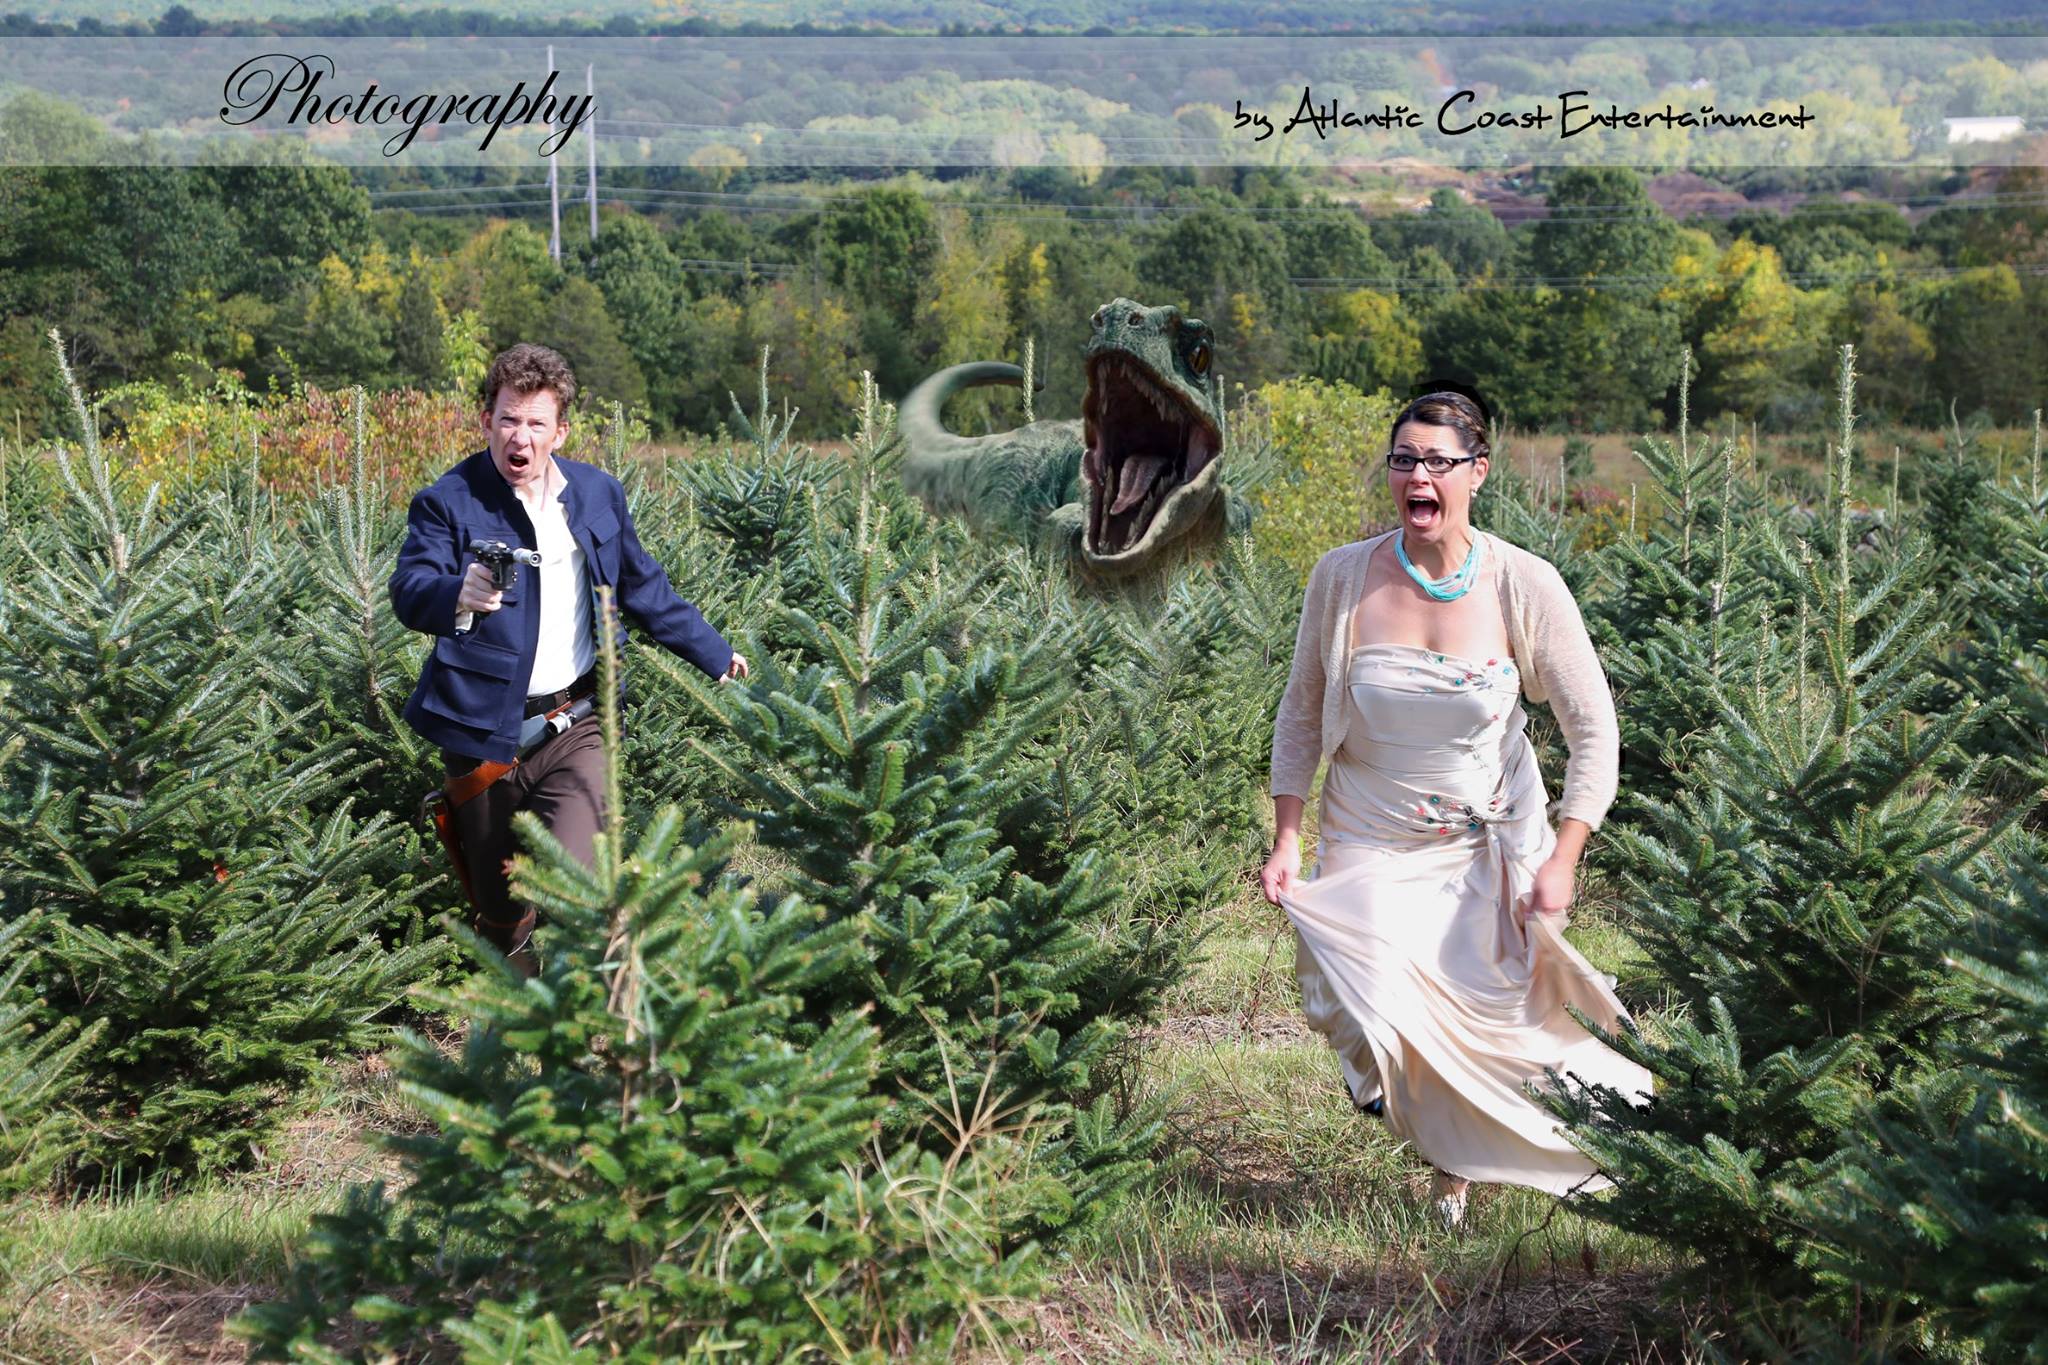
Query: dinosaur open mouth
[[1145, 443]]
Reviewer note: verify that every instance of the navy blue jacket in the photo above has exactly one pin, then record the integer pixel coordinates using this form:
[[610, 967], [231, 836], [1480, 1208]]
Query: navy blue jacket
[[472, 692]]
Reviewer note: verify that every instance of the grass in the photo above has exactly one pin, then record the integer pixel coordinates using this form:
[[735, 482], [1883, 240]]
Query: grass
[[1297, 1229], [1291, 1227], [148, 1277], [144, 1276]]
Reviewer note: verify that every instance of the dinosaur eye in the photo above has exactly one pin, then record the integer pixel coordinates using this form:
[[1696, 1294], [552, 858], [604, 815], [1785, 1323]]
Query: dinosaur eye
[[1096, 321], [1198, 357]]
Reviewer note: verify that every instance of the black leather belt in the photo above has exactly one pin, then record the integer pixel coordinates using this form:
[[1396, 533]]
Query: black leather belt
[[549, 701]]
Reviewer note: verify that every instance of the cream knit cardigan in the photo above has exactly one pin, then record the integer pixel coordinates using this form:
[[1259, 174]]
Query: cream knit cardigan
[[1546, 635]]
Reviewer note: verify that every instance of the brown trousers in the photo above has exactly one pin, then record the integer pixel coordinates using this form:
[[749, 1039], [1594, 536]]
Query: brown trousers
[[562, 782]]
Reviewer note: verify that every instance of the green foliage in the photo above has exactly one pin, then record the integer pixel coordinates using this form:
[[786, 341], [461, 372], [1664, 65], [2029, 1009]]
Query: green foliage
[[1496, 339], [876, 750], [629, 1152], [512, 278], [964, 771], [1366, 339], [1747, 320], [1232, 271], [1616, 340], [1465, 236], [1577, 460], [880, 768], [1671, 624], [38, 1067], [577, 325], [877, 250], [2002, 658], [1166, 743], [1328, 440], [419, 345], [330, 331], [270, 271], [1983, 324], [308, 213], [152, 814], [1796, 893], [1943, 1205], [356, 665], [648, 291]]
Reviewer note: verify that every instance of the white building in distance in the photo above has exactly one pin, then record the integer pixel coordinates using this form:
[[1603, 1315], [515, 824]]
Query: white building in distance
[[1981, 129]]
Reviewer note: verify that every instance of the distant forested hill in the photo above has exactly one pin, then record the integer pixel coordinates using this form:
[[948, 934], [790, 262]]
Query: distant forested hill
[[1052, 16]]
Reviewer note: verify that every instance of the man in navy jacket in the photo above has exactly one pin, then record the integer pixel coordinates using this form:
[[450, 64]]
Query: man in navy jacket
[[503, 658]]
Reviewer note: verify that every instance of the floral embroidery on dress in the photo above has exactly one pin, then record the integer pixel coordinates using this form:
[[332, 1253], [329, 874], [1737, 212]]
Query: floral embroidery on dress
[[1468, 812]]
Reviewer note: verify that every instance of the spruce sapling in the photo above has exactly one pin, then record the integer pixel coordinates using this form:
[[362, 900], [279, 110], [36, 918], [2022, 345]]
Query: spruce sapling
[[1797, 893], [630, 1153]]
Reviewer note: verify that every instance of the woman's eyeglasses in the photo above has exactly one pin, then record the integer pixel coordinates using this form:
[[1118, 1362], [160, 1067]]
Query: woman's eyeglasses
[[1401, 462]]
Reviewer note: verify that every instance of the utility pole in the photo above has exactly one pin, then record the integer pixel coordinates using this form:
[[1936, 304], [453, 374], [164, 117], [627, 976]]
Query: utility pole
[[554, 191], [590, 140]]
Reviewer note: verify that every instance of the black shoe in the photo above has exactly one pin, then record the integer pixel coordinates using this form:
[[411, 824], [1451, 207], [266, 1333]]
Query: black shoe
[[1375, 1108]]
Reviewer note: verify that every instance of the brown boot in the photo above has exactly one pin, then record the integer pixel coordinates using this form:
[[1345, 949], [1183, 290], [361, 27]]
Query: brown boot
[[514, 940]]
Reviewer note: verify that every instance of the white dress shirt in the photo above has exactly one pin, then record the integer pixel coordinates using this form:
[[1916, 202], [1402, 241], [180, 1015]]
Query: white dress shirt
[[566, 650]]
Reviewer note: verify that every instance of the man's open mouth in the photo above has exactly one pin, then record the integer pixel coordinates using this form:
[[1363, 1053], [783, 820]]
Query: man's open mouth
[[1145, 442]]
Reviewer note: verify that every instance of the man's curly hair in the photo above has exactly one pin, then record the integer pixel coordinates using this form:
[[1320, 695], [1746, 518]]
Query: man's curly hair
[[527, 368]]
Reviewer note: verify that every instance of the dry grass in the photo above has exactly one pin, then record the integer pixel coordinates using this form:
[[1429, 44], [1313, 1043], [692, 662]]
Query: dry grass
[[1297, 1229], [1293, 1228], [144, 1278], [1192, 1314]]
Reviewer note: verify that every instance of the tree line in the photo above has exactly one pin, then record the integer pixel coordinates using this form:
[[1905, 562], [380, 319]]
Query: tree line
[[620, 18], [283, 273]]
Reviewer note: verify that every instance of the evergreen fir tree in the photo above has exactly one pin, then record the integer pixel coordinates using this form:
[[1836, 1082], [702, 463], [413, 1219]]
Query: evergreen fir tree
[[2002, 659], [1518, 509], [353, 663], [727, 530], [38, 1066], [1787, 894], [631, 1153], [882, 767], [1666, 624], [417, 347], [1958, 496], [1945, 1207], [200, 900], [1167, 740]]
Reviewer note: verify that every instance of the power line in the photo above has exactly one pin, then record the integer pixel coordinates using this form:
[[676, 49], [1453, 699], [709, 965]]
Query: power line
[[754, 201], [1419, 285], [455, 189]]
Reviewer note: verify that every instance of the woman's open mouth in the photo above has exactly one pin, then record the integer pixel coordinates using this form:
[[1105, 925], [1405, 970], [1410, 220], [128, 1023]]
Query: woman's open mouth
[[1423, 511]]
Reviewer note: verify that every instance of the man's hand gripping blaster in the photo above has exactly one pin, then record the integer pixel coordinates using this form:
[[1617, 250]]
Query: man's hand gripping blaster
[[503, 561]]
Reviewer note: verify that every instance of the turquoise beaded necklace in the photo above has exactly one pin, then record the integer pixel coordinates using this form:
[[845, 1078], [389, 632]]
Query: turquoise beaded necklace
[[1452, 585]]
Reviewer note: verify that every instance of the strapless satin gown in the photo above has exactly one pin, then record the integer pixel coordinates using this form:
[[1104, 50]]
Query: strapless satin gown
[[1413, 957]]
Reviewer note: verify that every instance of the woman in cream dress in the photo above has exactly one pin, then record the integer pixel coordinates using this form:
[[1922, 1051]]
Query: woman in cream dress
[[1430, 952]]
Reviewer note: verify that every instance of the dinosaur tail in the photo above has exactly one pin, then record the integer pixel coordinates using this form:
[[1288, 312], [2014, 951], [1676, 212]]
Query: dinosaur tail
[[921, 415]]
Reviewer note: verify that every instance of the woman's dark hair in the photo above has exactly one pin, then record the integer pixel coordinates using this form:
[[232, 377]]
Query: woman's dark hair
[[527, 368], [1442, 407]]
